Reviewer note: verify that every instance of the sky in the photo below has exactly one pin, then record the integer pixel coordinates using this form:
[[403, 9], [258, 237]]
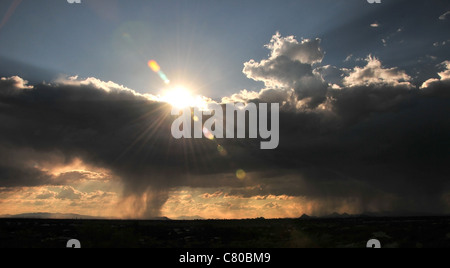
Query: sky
[[363, 90]]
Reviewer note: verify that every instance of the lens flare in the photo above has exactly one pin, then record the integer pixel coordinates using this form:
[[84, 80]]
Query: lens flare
[[208, 134], [241, 174], [222, 150], [164, 77], [10, 12], [154, 66]]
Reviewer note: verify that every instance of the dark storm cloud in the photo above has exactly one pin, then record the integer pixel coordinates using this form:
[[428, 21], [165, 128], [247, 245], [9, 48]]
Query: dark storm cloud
[[377, 139], [20, 176], [107, 126], [103, 124]]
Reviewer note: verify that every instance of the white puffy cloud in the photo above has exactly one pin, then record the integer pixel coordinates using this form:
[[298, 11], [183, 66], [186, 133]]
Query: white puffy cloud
[[307, 51], [243, 97], [109, 87], [279, 72], [13, 85], [268, 95], [375, 74], [277, 96], [288, 69], [444, 76], [292, 77]]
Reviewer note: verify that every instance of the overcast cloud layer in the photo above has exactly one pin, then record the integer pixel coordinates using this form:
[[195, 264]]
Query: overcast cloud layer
[[365, 136]]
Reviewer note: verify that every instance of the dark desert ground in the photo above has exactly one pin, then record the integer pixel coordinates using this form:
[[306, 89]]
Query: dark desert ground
[[407, 232]]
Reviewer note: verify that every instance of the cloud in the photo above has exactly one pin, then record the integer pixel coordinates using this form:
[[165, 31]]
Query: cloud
[[13, 84], [444, 78], [69, 193], [441, 85], [332, 74], [280, 72], [375, 74], [349, 58], [77, 119], [272, 197], [365, 109], [439, 44], [212, 196], [374, 143], [444, 16], [272, 205], [242, 97], [391, 37], [46, 194], [289, 69], [64, 199], [307, 51]]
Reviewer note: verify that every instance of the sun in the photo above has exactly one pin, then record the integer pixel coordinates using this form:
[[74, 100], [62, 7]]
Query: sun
[[181, 97]]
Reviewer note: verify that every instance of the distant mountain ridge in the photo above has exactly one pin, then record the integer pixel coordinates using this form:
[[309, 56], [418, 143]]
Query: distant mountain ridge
[[189, 218], [66, 216], [72, 216], [336, 215], [45, 215]]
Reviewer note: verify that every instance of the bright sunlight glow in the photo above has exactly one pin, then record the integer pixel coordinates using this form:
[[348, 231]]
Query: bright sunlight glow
[[180, 97]]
